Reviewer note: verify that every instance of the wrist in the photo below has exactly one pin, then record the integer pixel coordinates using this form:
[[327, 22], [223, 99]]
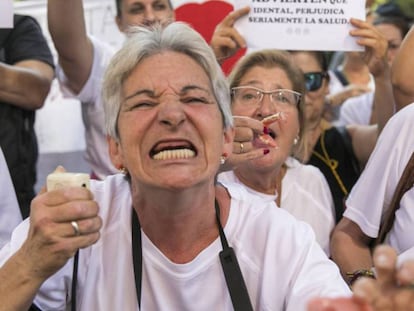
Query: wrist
[[353, 276]]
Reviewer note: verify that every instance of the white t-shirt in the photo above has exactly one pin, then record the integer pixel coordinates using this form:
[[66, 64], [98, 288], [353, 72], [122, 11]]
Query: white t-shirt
[[10, 215], [371, 196], [92, 109], [282, 264], [305, 195], [357, 110]]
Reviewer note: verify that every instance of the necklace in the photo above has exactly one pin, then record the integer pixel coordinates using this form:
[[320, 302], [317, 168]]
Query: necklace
[[331, 163]]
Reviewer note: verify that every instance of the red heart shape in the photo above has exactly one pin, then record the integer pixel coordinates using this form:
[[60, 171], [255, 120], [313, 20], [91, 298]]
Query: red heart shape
[[204, 18]]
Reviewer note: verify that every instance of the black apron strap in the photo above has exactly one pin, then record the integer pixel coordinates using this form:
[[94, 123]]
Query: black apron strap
[[137, 254], [74, 280], [234, 277]]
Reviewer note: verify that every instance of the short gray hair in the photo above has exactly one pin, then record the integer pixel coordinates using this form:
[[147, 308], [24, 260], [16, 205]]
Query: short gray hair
[[143, 42]]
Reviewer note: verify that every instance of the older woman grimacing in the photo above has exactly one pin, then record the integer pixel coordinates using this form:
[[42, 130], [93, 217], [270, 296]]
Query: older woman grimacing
[[154, 239]]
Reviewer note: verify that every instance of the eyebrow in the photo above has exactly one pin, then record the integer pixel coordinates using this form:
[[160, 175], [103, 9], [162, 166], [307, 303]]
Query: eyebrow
[[139, 92], [193, 87], [254, 84], [156, 2]]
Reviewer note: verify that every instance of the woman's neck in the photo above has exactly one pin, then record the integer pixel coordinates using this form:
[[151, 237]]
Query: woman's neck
[[260, 181], [313, 132], [181, 225]]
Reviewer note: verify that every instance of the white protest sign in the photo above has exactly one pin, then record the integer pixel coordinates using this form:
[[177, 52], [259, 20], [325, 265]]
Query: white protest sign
[[6, 14], [300, 24]]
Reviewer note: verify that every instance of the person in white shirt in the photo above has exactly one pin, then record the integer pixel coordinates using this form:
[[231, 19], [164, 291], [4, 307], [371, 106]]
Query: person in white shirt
[[167, 212], [357, 110], [10, 215], [371, 196], [360, 109], [275, 176]]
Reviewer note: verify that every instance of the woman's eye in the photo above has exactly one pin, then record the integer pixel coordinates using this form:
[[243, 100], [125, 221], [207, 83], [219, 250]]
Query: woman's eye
[[285, 99], [282, 98], [142, 105], [248, 96], [195, 100]]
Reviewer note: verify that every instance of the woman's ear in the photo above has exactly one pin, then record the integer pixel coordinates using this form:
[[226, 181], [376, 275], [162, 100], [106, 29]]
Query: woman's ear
[[115, 152]]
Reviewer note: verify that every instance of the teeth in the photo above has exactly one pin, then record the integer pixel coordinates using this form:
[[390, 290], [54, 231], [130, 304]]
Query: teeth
[[274, 117], [174, 154]]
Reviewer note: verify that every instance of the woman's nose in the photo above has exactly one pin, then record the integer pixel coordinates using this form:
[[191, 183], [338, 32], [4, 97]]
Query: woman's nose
[[172, 114], [267, 105]]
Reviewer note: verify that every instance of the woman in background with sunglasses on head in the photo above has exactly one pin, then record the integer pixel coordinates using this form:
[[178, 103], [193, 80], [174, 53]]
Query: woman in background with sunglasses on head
[[341, 152]]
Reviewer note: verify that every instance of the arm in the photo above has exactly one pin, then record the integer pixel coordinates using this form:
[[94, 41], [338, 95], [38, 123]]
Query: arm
[[375, 56], [226, 40], [402, 72], [17, 288], [67, 27], [364, 138], [351, 90], [350, 247], [25, 84], [50, 243], [392, 291]]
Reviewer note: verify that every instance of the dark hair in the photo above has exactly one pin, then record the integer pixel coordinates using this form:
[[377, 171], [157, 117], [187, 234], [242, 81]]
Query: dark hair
[[118, 7], [320, 57], [399, 22]]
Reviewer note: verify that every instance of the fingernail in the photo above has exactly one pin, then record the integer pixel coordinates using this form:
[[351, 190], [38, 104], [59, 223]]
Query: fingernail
[[266, 151]]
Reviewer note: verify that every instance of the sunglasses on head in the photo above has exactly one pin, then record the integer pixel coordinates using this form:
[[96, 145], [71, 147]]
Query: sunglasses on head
[[313, 80]]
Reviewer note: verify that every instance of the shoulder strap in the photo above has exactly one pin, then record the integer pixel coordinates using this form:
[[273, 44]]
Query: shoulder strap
[[406, 183], [232, 273]]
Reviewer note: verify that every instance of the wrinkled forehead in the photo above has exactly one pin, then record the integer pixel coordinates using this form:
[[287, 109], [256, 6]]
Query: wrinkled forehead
[[272, 76], [167, 72]]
